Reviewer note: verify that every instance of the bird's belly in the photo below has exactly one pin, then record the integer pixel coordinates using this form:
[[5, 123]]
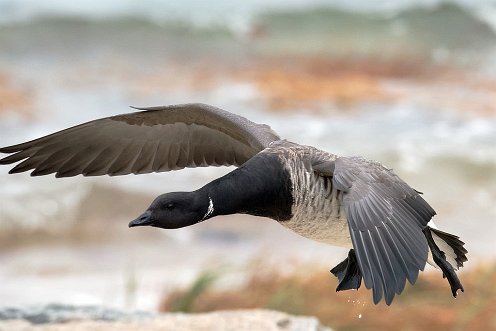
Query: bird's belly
[[332, 231], [318, 213]]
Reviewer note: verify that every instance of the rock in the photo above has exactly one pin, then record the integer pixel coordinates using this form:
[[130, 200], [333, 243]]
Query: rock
[[58, 313], [64, 317]]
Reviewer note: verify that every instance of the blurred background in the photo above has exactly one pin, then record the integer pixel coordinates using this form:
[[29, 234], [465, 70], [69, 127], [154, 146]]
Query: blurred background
[[409, 83]]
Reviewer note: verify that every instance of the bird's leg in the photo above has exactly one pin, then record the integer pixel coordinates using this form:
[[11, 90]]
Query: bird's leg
[[348, 273]]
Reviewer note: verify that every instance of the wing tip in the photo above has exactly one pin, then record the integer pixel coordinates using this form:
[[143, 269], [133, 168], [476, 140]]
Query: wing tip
[[10, 149], [21, 167], [65, 174], [6, 160], [151, 108], [200, 105], [15, 171], [41, 172]]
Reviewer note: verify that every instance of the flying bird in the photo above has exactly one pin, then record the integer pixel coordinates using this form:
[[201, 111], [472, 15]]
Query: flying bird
[[350, 202]]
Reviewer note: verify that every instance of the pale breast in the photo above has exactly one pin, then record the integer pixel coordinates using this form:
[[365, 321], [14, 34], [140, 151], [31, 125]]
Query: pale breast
[[318, 212]]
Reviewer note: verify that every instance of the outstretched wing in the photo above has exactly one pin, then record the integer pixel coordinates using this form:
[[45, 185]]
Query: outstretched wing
[[385, 218], [154, 140]]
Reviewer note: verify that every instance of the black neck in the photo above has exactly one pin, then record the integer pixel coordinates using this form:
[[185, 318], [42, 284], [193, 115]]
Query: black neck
[[260, 187]]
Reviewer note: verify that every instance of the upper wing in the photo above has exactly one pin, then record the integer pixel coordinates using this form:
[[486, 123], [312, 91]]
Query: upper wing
[[386, 218], [154, 140]]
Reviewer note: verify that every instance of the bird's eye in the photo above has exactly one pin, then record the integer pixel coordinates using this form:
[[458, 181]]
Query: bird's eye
[[169, 206]]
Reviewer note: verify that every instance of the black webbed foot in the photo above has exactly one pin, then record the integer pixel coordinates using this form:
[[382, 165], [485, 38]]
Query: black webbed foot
[[348, 273]]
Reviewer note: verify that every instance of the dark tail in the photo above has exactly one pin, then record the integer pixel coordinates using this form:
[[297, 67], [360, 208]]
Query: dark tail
[[448, 253]]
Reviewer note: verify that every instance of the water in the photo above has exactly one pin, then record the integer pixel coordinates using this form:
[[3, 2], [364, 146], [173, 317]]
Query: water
[[453, 32], [17, 10]]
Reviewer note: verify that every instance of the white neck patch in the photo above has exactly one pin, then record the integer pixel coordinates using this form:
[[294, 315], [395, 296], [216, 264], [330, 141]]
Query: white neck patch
[[210, 209]]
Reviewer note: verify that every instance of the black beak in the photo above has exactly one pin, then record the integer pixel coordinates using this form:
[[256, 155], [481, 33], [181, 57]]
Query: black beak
[[142, 220]]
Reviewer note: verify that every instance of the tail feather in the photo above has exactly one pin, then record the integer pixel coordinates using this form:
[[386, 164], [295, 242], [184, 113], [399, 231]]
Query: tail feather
[[448, 254], [455, 243]]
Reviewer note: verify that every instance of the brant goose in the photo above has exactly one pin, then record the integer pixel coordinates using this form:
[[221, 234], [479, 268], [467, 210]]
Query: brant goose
[[344, 201]]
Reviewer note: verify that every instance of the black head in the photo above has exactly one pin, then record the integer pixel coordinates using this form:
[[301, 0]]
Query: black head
[[173, 210]]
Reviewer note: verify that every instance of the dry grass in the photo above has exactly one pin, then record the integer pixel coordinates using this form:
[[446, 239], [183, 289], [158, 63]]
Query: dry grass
[[426, 306], [321, 85], [295, 90], [293, 83], [14, 97]]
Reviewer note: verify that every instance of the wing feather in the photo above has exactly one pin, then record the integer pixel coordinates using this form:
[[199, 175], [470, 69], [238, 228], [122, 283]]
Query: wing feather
[[75, 165], [95, 166], [28, 164], [385, 218], [153, 140]]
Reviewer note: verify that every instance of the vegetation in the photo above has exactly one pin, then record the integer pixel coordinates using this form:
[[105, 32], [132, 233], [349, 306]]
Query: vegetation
[[426, 306]]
